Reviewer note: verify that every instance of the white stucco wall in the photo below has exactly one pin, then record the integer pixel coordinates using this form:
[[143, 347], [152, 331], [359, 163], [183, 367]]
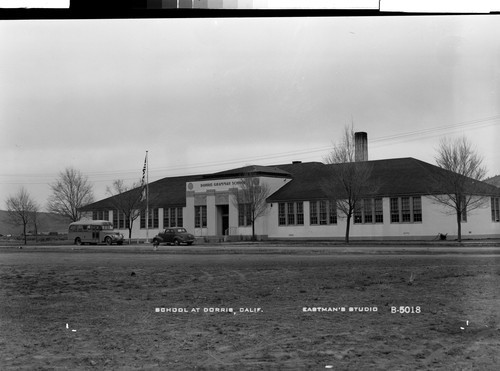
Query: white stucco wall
[[434, 221]]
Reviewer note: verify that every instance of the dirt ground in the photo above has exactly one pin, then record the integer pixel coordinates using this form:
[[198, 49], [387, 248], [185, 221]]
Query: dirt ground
[[92, 309]]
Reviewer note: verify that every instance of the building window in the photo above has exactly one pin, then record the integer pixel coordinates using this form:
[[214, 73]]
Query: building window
[[417, 209], [323, 215], [100, 215], [394, 210], [300, 213], [153, 219], [495, 209], [120, 221], [369, 211], [313, 212], [200, 216], [291, 213], [166, 218], [282, 214], [332, 209], [358, 213], [244, 215], [180, 217], [323, 212], [406, 209], [172, 217], [379, 211], [241, 214]]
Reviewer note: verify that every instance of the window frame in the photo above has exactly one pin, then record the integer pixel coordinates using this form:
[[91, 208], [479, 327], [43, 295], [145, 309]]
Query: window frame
[[322, 212], [100, 215], [172, 217], [244, 215], [290, 213], [369, 211], [406, 213], [153, 219], [495, 209], [200, 216]]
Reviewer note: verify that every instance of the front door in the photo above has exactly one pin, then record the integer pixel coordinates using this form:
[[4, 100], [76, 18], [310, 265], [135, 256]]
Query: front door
[[225, 224], [223, 220]]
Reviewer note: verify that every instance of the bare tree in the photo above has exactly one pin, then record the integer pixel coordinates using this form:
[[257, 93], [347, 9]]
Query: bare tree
[[128, 201], [462, 180], [21, 209], [250, 199], [347, 183], [70, 192]]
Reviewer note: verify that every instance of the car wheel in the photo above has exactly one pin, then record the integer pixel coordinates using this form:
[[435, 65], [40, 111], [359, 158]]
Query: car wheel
[[78, 241], [176, 242], [108, 240], [189, 243]]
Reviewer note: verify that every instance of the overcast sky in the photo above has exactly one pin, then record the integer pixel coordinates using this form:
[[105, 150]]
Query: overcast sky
[[206, 95]]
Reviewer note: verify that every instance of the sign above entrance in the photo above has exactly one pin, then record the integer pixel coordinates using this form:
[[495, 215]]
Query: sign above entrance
[[217, 185]]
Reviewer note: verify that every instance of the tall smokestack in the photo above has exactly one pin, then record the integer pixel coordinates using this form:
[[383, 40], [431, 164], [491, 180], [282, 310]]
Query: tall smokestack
[[361, 146]]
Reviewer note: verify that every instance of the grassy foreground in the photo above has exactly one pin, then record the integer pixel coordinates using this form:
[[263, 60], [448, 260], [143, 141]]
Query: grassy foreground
[[155, 310]]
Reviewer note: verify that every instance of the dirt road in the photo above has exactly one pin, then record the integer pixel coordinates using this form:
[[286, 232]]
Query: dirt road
[[112, 308]]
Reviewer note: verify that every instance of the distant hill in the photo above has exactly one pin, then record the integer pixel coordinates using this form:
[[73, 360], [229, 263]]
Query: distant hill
[[47, 222], [494, 180]]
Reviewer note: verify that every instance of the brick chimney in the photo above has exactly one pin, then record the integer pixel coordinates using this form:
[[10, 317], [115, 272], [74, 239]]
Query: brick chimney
[[361, 146]]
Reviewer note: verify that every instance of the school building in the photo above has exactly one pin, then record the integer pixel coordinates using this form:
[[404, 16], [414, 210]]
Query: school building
[[399, 206]]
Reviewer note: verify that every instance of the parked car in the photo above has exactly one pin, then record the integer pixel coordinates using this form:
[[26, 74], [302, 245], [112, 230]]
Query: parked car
[[174, 236]]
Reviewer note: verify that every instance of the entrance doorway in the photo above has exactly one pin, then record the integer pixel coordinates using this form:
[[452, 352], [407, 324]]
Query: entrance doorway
[[222, 220]]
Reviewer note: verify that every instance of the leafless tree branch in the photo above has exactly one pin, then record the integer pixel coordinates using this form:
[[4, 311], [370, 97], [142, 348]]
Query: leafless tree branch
[[70, 192], [461, 182], [252, 194], [21, 210]]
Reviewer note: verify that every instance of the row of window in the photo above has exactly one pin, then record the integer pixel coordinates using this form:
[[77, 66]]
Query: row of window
[[367, 211], [172, 217], [324, 212]]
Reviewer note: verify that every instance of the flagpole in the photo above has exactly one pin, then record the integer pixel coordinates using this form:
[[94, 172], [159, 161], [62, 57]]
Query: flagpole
[[147, 198]]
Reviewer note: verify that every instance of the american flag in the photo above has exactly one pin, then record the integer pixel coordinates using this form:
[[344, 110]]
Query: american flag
[[143, 181], [144, 170]]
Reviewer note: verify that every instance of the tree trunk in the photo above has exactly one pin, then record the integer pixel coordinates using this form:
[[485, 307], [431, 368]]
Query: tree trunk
[[253, 231], [347, 228], [24, 232], [459, 226]]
